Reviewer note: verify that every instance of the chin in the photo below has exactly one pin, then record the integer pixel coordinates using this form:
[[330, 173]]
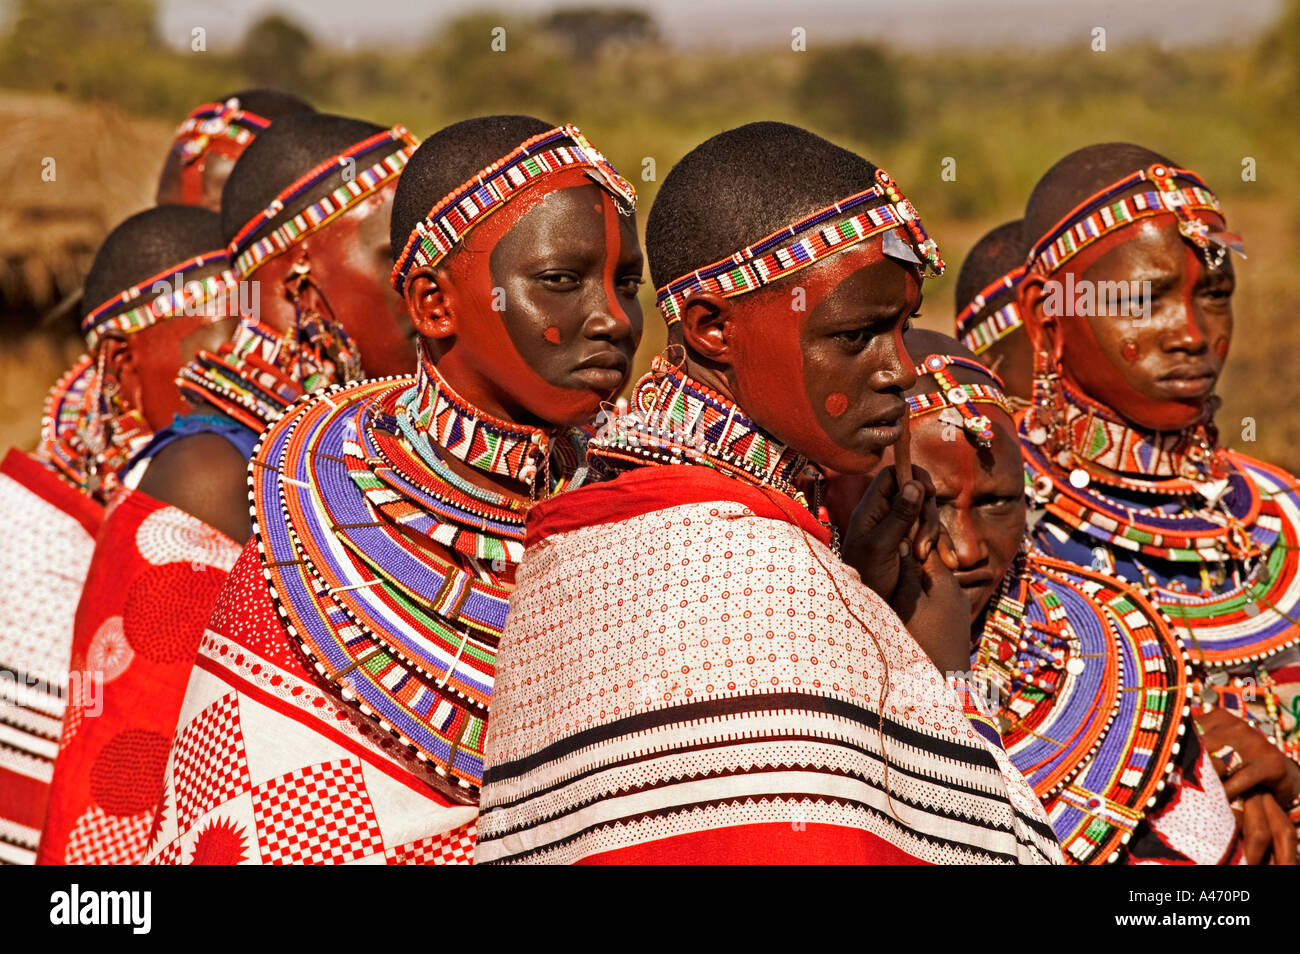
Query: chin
[[847, 462], [1168, 414]]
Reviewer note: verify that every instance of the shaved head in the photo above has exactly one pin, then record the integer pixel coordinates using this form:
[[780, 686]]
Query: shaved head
[[1079, 175]]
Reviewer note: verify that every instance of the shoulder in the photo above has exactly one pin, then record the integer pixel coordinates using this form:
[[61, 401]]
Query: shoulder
[[1261, 471], [205, 476]]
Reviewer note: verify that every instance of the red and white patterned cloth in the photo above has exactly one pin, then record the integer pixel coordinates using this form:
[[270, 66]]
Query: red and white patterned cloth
[[268, 768], [154, 578], [685, 677], [1195, 825], [49, 534]]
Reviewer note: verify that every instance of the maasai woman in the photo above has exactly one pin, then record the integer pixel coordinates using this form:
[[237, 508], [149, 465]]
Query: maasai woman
[[308, 208], [340, 700], [1127, 300], [689, 672]]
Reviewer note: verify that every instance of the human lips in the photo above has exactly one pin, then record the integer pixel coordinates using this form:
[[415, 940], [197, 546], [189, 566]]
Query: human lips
[[886, 428], [1189, 381], [973, 580], [605, 370]]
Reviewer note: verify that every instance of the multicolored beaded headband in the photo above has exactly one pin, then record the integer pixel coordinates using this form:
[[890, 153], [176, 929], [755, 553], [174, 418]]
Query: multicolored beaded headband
[[1102, 213], [455, 214], [249, 253], [195, 297], [979, 334], [213, 123], [960, 396], [764, 262]]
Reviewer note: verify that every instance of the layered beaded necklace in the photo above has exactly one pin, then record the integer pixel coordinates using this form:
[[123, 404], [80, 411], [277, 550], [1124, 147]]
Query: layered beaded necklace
[[392, 571], [436, 412], [675, 420], [259, 372], [1091, 687], [1231, 520]]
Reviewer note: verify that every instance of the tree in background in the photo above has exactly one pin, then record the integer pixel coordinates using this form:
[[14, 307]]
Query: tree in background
[[276, 53], [591, 30], [484, 63], [58, 44], [852, 91]]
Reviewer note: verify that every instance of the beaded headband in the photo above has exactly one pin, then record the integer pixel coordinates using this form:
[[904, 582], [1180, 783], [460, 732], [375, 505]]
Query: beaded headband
[[455, 214], [1102, 213], [979, 334], [768, 259], [213, 123], [249, 253], [960, 396], [195, 297]]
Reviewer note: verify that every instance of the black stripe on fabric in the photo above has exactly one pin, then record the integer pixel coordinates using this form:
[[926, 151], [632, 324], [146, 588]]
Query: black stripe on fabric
[[751, 703], [25, 729], [724, 743], [28, 754], [722, 802], [920, 807]]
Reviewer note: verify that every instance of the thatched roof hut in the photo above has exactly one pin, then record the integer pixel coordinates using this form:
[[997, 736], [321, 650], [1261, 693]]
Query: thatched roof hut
[[105, 167]]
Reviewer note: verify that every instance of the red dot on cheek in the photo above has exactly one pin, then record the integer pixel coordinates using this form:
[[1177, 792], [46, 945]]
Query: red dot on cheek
[[552, 334], [836, 404], [1221, 347]]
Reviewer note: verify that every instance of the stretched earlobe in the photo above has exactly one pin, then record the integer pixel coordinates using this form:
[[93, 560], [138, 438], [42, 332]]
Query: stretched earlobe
[[121, 368]]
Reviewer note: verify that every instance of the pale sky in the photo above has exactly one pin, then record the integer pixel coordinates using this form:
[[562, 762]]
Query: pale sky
[[1013, 24]]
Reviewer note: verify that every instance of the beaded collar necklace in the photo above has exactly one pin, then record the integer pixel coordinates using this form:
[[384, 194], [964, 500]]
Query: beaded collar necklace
[[786, 251], [63, 406], [345, 503], [259, 372], [960, 396], [484, 442], [1215, 523], [675, 420], [1092, 692], [88, 433], [1083, 431]]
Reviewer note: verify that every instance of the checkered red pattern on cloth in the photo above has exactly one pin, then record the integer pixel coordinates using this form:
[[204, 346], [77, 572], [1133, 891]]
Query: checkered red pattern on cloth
[[154, 577], [266, 767]]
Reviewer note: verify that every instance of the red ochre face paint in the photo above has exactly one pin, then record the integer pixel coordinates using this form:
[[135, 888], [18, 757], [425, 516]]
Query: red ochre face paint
[[1130, 351], [565, 263], [1221, 347], [1168, 383], [793, 369]]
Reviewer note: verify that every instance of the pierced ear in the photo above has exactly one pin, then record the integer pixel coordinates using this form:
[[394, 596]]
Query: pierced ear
[[428, 302], [706, 327], [121, 366]]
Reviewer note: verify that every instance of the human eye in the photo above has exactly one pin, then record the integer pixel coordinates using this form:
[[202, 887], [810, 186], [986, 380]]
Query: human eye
[[558, 279], [629, 285]]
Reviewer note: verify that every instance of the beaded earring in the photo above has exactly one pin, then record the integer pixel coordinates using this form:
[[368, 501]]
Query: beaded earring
[[321, 339], [1046, 417]]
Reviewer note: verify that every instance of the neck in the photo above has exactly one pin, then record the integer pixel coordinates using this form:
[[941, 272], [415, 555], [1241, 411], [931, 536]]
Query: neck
[[486, 450], [676, 419], [1102, 438]]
